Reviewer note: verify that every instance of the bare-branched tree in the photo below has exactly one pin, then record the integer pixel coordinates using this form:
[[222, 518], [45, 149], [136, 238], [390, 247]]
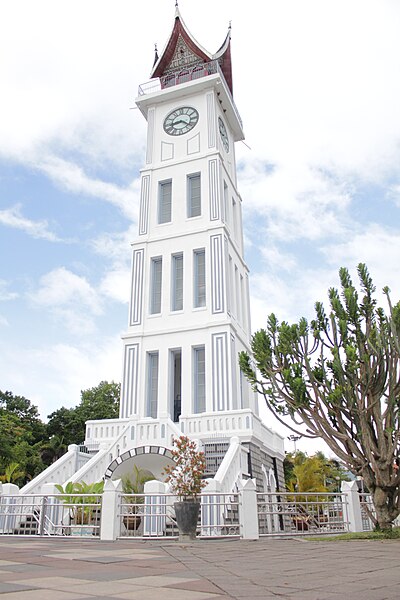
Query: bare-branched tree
[[338, 378]]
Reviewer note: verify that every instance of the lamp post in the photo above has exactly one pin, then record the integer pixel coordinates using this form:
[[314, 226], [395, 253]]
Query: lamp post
[[294, 439]]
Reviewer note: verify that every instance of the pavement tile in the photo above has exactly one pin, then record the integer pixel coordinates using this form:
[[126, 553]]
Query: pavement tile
[[169, 594], [43, 595], [54, 583], [13, 587], [201, 585], [157, 580]]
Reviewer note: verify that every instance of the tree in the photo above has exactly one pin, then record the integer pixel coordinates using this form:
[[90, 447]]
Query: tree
[[12, 473], [315, 473], [20, 432], [99, 402], [339, 376]]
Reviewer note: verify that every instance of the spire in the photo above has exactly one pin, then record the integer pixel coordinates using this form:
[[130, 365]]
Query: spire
[[155, 54]]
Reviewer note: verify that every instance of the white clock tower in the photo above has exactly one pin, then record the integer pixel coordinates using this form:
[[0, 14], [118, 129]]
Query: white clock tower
[[189, 314]]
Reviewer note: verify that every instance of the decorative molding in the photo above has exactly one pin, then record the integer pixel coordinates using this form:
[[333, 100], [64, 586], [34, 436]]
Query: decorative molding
[[193, 144], [150, 135], [217, 274], [234, 369], [167, 151], [214, 189], [135, 313], [144, 205], [211, 123], [219, 371], [228, 277], [159, 450], [129, 381]]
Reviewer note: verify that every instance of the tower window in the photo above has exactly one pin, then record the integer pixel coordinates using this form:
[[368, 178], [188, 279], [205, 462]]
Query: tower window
[[164, 201], [226, 205], [199, 379], [155, 285], [194, 195], [175, 383], [199, 272], [177, 282], [152, 384]]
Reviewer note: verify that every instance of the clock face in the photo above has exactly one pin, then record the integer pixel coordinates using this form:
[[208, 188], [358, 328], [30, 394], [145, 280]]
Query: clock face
[[181, 120], [223, 134]]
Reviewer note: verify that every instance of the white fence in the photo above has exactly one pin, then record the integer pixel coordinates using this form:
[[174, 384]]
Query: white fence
[[244, 513], [296, 514], [50, 515], [153, 516], [112, 515]]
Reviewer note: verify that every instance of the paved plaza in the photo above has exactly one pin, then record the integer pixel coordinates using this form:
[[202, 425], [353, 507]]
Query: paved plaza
[[49, 569]]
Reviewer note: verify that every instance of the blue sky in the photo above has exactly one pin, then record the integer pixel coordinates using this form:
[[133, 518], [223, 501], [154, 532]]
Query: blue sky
[[318, 88]]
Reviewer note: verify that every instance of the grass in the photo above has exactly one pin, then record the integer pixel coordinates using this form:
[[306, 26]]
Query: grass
[[391, 534]]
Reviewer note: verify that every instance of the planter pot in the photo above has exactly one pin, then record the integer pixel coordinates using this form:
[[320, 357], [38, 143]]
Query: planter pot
[[187, 514], [132, 522]]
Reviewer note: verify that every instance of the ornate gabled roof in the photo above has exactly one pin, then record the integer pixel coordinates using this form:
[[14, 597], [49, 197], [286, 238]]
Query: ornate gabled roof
[[182, 51]]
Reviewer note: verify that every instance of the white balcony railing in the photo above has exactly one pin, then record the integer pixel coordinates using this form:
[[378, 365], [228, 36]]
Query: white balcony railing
[[185, 75]]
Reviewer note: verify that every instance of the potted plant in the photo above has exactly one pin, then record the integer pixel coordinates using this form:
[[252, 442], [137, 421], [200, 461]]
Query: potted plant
[[134, 484], [186, 481], [81, 505]]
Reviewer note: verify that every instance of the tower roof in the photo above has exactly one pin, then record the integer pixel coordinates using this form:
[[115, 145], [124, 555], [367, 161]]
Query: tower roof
[[182, 51]]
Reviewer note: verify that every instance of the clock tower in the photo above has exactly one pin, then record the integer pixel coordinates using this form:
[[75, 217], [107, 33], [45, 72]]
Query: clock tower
[[189, 313]]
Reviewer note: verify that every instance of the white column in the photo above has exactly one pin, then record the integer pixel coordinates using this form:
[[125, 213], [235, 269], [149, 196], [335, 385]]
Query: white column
[[351, 498], [155, 507], [110, 522], [8, 522], [248, 510], [211, 509]]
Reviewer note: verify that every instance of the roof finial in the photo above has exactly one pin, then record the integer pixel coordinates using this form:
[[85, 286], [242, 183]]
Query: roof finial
[[176, 3], [230, 25], [155, 54]]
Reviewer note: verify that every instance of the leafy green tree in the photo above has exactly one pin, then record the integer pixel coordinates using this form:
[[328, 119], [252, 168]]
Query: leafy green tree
[[20, 431], [26, 413], [52, 449], [99, 402], [13, 473], [339, 376]]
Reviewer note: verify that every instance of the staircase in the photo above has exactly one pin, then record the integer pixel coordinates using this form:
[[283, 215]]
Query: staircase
[[30, 525]]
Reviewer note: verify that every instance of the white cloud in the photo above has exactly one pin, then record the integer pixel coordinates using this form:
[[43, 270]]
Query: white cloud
[[4, 322], [378, 247], [116, 283], [297, 201], [12, 217], [5, 294], [72, 177], [71, 300], [61, 287]]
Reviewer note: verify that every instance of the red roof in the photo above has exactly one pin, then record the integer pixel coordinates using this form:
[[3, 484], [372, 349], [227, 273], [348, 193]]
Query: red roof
[[199, 55]]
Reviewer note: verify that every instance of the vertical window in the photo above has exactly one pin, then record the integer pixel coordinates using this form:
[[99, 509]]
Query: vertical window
[[177, 282], [226, 206], [152, 384], [199, 272], [231, 288], [243, 303], [194, 196], [164, 201], [234, 216], [155, 285], [237, 294], [175, 384], [199, 379], [234, 367]]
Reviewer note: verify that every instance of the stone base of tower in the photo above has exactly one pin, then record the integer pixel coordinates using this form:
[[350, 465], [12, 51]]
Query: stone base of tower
[[237, 445]]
